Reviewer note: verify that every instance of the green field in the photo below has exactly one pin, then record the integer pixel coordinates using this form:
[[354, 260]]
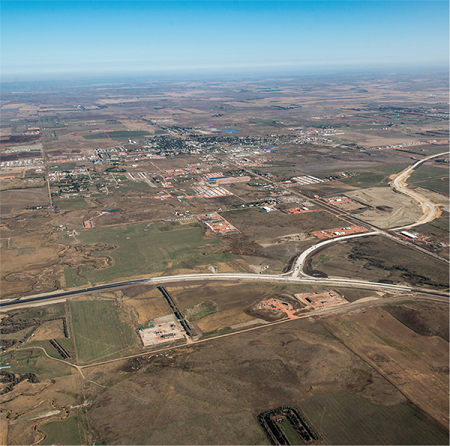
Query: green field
[[146, 249], [44, 312], [374, 177], [433, 178], [96, 136], [51, 351], [118, 134], [27, 360], [73, 279], [344, 418], [290, 432], [64, 166], [98, 331], [72, 430], [66, 204]]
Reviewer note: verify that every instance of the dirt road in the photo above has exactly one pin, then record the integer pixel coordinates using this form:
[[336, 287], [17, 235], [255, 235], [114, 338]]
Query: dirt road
[[430, 210]]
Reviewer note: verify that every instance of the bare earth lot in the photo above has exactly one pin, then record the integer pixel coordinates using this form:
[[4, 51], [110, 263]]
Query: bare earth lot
[[389, 209]]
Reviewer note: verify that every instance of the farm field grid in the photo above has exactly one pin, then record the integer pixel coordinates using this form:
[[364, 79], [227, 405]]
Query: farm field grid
[[231, 262]]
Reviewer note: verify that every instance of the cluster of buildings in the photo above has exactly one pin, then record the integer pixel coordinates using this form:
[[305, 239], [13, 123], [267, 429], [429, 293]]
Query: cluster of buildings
[[317, 300], [410, 144], [337, 201], [307, 179], [211, 192], [217, 223]]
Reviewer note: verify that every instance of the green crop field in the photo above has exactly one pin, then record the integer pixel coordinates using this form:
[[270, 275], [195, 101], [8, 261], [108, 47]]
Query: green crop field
[[148, 248], [433, 178], [98, 331], [96, 136], [344, 418], [118, 134], [72, 430]]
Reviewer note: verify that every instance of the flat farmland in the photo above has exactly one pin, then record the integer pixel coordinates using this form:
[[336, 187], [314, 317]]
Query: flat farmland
[[21, 198], [72, 430], [148, 306], [118, 134], [417, 365], [99, 330], [431, 177], [66, 204], [345, 418], [229, 302], [265, 227], [380, 259], [148, 249], [374, 176], [211, 393]]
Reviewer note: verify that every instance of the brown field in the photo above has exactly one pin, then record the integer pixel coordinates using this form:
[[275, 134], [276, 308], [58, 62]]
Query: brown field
[[424, 318], [33, 404], [267, 227], [189, 396], [377, 258], [18, 199], [397, 209], [416, 365], [49, 330], [231, 301], [148, 306]]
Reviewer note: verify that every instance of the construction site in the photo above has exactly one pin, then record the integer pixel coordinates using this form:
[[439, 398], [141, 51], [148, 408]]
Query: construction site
[[279, 305], [217, 223], [337, 232], [315, 301], [337, 201], [299, 210], [162, 329]]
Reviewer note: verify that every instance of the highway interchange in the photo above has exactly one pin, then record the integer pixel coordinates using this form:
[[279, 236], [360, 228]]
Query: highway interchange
[[290, 277]]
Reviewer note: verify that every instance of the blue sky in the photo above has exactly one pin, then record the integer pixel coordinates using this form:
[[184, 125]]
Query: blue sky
[[57, 39]]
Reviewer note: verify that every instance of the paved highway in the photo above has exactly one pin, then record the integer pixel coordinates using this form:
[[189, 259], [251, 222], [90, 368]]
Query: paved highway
[[16, 303], [290, 277]]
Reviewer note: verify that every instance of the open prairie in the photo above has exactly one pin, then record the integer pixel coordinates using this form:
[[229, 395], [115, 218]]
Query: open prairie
[[104, 184], [417, 365]]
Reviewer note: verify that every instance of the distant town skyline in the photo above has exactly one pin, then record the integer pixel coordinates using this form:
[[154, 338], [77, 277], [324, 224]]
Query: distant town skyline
[[61, 40]]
